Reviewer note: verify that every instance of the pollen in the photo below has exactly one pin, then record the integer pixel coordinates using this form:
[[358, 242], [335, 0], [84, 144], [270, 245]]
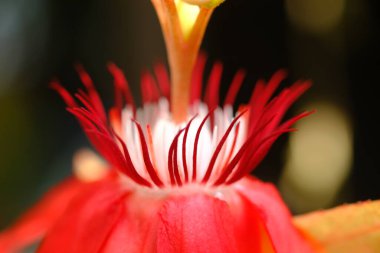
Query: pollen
[[187, 14]]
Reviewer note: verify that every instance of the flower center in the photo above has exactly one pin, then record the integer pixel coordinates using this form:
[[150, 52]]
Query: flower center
[[210, 148], [195, 152]]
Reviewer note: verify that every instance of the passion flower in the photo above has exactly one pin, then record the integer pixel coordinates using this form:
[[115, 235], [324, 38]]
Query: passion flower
[[178, 178], [174, 187]]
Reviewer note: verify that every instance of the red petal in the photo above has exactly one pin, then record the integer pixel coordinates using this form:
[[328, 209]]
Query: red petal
[[275, 216], [35, 223], [195, 224], [250, 231], [136, 228], [88, 220]]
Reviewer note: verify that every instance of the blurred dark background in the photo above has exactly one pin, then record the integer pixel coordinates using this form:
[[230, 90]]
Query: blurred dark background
[[335, 43]]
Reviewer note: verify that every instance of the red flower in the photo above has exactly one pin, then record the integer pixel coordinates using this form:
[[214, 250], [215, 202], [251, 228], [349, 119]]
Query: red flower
[[171, 187]]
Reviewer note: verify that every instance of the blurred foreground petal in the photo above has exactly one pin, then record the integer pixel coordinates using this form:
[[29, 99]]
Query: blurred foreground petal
[[275, 215], [87, 221], [33, 225], [350, 228]]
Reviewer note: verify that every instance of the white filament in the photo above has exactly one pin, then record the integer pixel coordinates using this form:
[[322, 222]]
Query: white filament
[[163, 130]]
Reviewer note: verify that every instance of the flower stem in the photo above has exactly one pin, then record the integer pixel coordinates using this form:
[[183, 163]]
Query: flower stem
[[182, 52]]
